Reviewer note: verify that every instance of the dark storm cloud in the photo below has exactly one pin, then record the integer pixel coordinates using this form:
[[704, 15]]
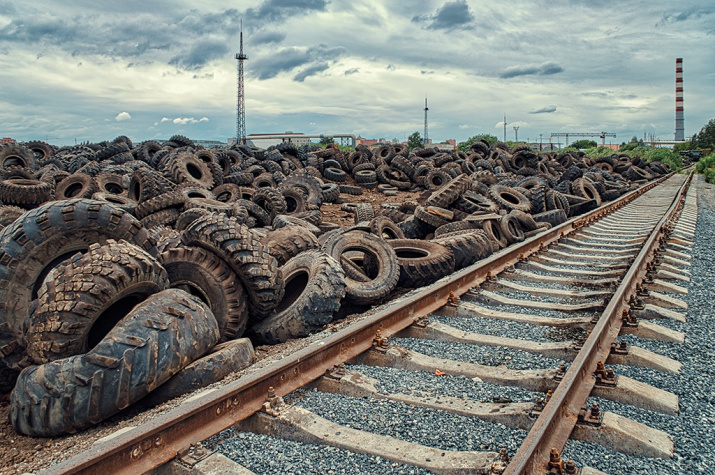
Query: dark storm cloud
[[289, 59], [227, 21], [267, 37], [200, 54], [542, 69], [278, 10], [448, 16], [6, 8], [544, 110], [310, 71]]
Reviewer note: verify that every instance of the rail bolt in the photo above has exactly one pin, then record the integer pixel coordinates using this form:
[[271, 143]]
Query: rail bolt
[[556, 462]]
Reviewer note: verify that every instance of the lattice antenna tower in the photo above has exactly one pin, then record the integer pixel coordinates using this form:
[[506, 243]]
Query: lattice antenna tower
[[241, 105], [425, 139]]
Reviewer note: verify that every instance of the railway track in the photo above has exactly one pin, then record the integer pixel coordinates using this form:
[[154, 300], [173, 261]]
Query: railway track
[[524, 337]]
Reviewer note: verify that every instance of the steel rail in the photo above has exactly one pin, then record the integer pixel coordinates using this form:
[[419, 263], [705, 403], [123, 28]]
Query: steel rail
[[158, 441], [553, 427]]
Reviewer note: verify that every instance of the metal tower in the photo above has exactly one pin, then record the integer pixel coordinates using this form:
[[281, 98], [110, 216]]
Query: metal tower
[[679, 119], [504, 128], [425, 140], [241, 107], [516, 133]]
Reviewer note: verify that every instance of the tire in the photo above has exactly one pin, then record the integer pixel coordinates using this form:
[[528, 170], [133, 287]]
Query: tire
[[224, 359], [553, 217], [41, 150], [367, 287], [385, 228], [8, 214], [413, 228], [431, 219], [272, 201], [315, 285], [350, 190], [494, 232], [186, 167], [164, 217], [511, 229], [364, 212], [295, 200], [256, 212], [172, 199], [78, 185], [42, 238], [308, 184], [584, 188], [241, 250], [436, 178], [468, 247], [81, 300], [334, 174], [203, 274], [455, 226], [471, 202], [421, 262], [330, 192], [450, 192], [289, 241], [146, 184], [158, 338], [227, 193], [25, 193], [509, 199], [17, 156]]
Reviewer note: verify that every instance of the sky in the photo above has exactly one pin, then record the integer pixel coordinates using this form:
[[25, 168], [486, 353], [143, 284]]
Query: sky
[[91, 70]]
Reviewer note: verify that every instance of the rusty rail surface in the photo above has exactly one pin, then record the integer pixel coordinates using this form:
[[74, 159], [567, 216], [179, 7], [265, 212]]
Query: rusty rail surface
[[553, 427], [157, 442]]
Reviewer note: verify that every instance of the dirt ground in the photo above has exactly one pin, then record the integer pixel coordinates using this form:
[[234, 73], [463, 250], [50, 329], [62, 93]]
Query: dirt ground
[[20, 454]]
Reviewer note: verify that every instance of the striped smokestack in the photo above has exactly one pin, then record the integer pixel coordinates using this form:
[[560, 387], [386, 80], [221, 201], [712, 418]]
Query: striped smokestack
[[679, 120]]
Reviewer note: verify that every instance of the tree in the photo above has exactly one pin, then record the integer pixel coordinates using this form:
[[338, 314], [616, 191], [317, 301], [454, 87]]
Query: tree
[[464, 146], [585, 143], [706, 137], [326, 140], [414, 140]]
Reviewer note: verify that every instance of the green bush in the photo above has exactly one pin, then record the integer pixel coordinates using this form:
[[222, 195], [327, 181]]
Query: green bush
[[706, 166]]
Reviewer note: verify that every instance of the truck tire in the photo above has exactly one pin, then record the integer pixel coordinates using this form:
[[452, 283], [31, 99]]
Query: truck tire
[[158, 338]]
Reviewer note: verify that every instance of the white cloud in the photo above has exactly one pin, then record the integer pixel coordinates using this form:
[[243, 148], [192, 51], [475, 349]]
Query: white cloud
[[122, 116], [204, 119], [165, 119]]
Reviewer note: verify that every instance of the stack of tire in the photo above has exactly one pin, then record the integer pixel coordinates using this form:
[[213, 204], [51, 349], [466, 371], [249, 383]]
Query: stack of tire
[[124, 266]]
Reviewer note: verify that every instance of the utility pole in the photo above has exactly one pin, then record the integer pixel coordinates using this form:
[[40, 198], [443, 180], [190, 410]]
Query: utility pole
[[241, 107], [516, 133], [540, 142], [504, 128]]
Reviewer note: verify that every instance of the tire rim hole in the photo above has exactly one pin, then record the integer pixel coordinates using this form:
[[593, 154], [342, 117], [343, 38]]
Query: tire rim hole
[[295, 284], [194, 171], [111, 316], [73, 190], [113, 188]]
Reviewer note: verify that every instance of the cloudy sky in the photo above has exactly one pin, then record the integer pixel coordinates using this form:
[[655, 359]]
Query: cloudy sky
[[93, 70]]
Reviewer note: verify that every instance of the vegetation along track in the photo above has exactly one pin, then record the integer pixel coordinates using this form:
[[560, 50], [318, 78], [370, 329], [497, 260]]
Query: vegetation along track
[[556, 302]]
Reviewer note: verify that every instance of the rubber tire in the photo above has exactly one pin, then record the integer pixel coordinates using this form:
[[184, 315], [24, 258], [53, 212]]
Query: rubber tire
[[289, 241], [553, 217], [315, 285], [468, 247], [25, 193], [224, 359], [385, 228], [509, 199], [158, 338], [82, 299], [271, 200], [241, 249], [450, 192], [372, 287], [511, 229], [494, 232], [186, 167], [203, 274], [421, 262], [39, 239], [78, 185]]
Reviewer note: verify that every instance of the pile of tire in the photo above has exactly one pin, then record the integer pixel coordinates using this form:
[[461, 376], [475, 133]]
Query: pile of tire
[[131, 269]]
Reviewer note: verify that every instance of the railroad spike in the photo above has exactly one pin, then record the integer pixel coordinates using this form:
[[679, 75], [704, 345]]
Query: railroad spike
[[570, 467], [273, 404], [379, 343], [336, 372], [453, 300], [556, 462], [605, 377]]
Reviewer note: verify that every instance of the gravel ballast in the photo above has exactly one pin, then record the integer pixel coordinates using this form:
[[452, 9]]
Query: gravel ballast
[[693, 430]]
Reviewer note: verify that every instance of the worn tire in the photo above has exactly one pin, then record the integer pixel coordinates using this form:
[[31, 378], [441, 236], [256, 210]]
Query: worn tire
[[553, 217], [368, 286], [271, 200], [509, 199], [468, 247], [289, 241], [223, 359], [315, 285], [421, 262], [206, 276], [447, 194], [42, 238], [158, 338], [78, 185], [82, 299], [494, 232], [511, 229], [385, 228], [241, 249]]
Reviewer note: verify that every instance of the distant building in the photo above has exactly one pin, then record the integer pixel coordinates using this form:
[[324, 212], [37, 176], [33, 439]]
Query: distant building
[[210, 143], [449, 144], [7, 140], [267, 140], [368, 142]]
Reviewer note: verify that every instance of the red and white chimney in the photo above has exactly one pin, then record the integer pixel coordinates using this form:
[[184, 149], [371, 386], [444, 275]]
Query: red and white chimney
[[679, 120]]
